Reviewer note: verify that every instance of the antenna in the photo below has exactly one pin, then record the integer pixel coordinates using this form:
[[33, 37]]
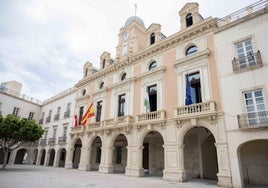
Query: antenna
[[135, 9]]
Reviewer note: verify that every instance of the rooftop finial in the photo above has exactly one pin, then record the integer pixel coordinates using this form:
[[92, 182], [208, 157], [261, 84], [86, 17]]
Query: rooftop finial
[[135, 9]]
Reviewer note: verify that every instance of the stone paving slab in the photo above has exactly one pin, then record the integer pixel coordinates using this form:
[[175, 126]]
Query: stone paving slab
[[31, 176]]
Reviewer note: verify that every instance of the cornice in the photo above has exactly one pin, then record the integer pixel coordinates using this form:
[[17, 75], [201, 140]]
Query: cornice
[[200, 28]]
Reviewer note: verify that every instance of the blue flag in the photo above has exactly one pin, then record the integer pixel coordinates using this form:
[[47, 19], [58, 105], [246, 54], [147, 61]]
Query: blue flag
[[188, 99]]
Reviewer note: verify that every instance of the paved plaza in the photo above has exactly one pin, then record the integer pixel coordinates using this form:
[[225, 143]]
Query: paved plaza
[[31, 176]]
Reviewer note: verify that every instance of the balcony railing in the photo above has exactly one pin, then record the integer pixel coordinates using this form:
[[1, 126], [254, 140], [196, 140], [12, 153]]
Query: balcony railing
[[199, 109], [253, 120], [246, 63], [94, 126], [56, 117], [119, 121], [77, 130], [67, 114], [43, 141], [48, 119], [51, 141], [41, 121], [152, 117], [62, 140]]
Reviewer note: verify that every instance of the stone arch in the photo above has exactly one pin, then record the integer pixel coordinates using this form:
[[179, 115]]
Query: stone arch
[[35, 154], [200, 152], [51, 156], [42, 156], [253, 161], [61, 157], [77, 145], [153, 159], [21, 156], [95, 144]]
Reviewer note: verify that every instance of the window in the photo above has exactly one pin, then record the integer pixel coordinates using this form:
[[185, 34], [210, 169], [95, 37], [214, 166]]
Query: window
[[123, 77], [152, 38], [189, 20], [43, 114], [191, 50], [101, 85], [84, 92], [49, 113], [31, 115], [65, 131], [86, 71], [68, 106], [99, 108], [58, 110], [152, 65], [103, 63], [54, 132], [81, 111], [255, 107], [124, 49], [118, 154], [45, 135], [15, 111], [195, 87], [245, 53], [98, 154], [121, 105], [152, 94]]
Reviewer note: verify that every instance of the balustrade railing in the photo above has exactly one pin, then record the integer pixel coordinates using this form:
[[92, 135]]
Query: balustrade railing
[[151, 116], [248, 62], [251, 120]]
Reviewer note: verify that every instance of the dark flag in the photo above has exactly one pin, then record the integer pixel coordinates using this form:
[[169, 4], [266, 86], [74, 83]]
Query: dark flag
[[188, 99]]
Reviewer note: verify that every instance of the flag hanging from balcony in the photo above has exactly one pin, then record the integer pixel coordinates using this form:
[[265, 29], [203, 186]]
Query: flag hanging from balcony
[[188, 97], [75, 121], [89, 113], [146, 102]]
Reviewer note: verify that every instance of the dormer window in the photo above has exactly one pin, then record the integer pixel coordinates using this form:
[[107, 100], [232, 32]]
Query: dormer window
[[189, 20], [101, 85], [152, 38], [103, 63], [191, 50], [152, 65], [123, 77]]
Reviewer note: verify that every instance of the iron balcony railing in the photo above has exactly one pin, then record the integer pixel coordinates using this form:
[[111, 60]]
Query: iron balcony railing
[[249, 62], [253, 119], [52, 140], [67, 114], [62, 140], [41, 121], [43, 141], [56, 117]]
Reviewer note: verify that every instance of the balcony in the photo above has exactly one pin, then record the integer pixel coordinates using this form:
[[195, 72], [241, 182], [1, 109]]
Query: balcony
[[253, 120], [48, 119], [151, 118], [77, 130], [121, 121], [66, 114], [196, 110], [62, 140], [52, 141], [250, 62], [56, 117], [41, 121], [43, 141], [94, 126]]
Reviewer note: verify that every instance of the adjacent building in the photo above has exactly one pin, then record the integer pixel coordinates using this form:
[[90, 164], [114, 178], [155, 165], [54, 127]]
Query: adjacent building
[[143, 125]]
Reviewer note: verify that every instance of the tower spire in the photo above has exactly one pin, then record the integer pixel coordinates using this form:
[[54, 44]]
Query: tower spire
[[135, 9]]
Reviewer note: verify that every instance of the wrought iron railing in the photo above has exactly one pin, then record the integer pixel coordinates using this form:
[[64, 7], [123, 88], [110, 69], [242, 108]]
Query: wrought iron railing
[[249, 62], [67, 114], [52, 140], [43, 141], [253, 119], [62, 140], [56, 117], [48, 119], [41, 121]]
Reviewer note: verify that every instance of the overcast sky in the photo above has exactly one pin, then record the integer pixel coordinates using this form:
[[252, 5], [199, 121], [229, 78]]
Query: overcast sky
[[45, 43]]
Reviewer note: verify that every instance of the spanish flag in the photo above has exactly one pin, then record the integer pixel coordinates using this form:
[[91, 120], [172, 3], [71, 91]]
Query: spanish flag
[[89, 113]]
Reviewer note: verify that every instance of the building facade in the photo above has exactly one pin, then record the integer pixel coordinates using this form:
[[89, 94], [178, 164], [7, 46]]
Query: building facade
[[144, 126]]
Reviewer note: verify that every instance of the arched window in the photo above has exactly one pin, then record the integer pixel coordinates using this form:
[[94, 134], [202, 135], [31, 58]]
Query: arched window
[[101, 85], [189, 20], [103, 63], [190, 50], [152, 65], [84, 92], [123, 77], [152, 38]]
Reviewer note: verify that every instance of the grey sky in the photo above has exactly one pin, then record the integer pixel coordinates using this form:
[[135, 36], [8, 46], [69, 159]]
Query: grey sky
[[45, 43]]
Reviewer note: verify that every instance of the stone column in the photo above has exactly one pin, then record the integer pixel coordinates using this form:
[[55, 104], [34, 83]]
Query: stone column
[[224, 174], [182, 172], [106, 165], [69, 158], [38, 158], [56, 159], [134, 167], [85, 159]]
